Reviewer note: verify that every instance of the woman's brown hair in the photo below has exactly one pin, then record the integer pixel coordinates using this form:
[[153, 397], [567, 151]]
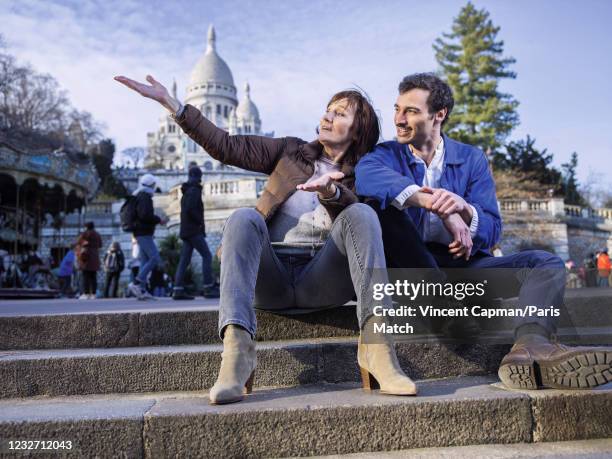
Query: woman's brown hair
[[366, 127]]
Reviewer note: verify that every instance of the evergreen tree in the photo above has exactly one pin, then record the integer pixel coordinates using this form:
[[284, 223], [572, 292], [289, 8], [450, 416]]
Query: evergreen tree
[[523, 156], [102, 155], [570, 182], [470, 60]]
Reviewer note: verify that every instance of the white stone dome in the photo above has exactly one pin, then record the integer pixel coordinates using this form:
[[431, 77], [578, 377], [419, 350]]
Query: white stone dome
[[246, 108], [211, 67]]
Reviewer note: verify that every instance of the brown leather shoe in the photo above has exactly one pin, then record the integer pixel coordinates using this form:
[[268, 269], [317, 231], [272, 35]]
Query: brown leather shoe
[[545, 364]]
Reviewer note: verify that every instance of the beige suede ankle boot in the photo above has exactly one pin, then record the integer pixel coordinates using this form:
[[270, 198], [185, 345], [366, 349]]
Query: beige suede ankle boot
[[238, 362], [380, 368]]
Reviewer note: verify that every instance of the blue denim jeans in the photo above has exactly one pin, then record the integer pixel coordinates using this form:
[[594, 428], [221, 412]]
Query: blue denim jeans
[[252, 275], [149, 257], [197, 242], [542, 285]]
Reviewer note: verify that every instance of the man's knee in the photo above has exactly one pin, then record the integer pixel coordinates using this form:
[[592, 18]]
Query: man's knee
[[544, 259]]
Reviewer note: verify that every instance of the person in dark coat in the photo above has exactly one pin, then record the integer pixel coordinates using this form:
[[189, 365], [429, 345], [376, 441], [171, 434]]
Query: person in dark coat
[[88, 259], [114, 263], [145, 223], [193, 235]]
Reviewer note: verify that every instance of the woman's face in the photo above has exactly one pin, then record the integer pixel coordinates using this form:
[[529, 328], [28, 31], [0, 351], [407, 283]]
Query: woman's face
[[335, 125]]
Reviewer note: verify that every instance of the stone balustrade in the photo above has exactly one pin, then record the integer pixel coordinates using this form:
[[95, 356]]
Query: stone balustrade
[[243, 188], [554, 207]]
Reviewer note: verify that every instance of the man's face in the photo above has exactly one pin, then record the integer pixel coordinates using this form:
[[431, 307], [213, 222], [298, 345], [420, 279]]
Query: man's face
[[413, 122]]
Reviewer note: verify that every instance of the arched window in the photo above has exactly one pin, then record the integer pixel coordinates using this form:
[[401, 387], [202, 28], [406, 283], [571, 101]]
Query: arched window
[[218, 109]]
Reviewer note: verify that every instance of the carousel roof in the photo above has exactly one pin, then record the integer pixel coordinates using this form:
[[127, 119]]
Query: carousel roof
[[31, 158]]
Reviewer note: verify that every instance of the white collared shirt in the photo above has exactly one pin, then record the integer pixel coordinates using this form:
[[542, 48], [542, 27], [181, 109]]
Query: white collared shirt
[[433, 229]]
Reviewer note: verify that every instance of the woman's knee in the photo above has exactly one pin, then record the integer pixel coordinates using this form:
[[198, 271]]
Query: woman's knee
[[244, 216], [361, 215], [359, 211]]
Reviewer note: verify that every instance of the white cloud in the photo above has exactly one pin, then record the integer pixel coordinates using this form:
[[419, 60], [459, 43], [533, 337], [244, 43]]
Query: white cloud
[[294, 54]]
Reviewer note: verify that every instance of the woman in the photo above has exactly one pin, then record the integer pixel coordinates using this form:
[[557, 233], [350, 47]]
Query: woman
[[89, 244], [308, 245]]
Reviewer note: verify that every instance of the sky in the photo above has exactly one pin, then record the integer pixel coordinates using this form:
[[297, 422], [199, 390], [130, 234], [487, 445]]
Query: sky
[[296, 54]]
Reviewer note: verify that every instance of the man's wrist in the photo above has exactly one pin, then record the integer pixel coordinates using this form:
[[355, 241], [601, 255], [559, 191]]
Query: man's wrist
[[466, 214]]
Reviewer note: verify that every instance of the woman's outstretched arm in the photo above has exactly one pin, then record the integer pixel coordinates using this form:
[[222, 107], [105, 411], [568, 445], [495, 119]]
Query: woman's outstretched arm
[[251, 152]]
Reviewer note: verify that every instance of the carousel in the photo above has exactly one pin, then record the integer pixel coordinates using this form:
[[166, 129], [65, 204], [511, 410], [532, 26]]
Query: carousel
[[38, 187]]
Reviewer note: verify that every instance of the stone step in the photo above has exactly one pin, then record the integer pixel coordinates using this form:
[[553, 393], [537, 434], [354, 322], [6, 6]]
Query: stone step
[[160, 327], [584, 449], [195, 367], [118, 323], [308, 420]]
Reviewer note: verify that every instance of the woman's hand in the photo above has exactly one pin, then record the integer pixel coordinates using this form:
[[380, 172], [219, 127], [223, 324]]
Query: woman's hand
[[324, 185], [155, 91]]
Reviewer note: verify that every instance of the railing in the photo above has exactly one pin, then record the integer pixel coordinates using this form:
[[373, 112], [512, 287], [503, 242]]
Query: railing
[[523, 205], [604, 213], [232, 187], [247, 188], [553, 206], [99, 208]]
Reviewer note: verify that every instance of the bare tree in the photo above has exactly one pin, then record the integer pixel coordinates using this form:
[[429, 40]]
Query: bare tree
[[32, 102], [134, 155], [596, 190]]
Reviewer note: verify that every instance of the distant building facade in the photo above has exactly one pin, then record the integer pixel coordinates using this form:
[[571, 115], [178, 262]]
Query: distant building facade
[[211, 89]]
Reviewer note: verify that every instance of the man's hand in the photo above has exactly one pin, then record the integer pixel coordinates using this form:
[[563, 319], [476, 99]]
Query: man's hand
[[163, 221], [461, 247], [155, 91], [444, 203], [324, 185]]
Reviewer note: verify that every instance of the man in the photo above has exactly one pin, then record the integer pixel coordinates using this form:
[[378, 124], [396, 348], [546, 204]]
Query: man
[[436, 202], [145, 223], [193, 236]]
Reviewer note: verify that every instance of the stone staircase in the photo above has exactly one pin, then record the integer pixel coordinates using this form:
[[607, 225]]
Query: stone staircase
[[134, 384]]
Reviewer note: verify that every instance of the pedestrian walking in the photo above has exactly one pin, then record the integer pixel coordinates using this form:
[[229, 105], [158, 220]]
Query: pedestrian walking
[[144, 223], [193, 236]]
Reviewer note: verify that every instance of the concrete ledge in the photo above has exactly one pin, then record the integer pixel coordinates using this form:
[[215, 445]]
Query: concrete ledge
[[95, 427], [173, 326], [584, 449], [338, 419], [92, 330], [588, 414], [307, 420], [189, 368]]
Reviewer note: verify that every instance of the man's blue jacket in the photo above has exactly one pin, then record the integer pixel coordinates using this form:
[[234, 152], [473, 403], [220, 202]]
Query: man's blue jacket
[[384, 173]]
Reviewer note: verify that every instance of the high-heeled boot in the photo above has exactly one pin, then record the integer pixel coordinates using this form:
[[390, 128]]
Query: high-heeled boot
[[380, 368], [238, 362]]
